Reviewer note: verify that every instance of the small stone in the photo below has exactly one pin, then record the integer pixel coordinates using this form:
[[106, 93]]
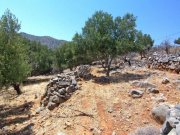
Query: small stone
[[62, 91], [61, 133], [153, 90], [39, 109], [136, 93], [146, 122], [73, 82], [110, 110], [165, 80], [35, 96], [70, 89], [51, 105], [114, 133], [55, 80], [67, 123]]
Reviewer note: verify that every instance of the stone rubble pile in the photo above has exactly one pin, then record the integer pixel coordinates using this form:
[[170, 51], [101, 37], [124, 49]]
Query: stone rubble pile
[[165, 62], [58, 90], [83, 71]]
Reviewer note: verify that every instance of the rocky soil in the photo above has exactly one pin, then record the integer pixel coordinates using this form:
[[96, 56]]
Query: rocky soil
[[116, 107]]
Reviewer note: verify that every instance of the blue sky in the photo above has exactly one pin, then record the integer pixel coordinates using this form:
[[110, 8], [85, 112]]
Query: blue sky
[[62, 18]]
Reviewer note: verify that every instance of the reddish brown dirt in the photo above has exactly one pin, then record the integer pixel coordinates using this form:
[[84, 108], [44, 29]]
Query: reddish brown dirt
[[98, 109]]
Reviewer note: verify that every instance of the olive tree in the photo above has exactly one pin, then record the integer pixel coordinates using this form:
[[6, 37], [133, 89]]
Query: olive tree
[[107, 37], [14, 67], [143, 43]]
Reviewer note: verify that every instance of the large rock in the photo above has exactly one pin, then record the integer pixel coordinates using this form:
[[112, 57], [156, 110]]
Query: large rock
[[172, 123], [178, 129], [160, 112], [149, 130], [143, 84], [172, 132]]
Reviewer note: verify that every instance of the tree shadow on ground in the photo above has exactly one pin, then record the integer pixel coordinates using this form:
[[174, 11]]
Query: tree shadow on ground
[[11, 115], [120, 77], [35, 81], [27, 130]]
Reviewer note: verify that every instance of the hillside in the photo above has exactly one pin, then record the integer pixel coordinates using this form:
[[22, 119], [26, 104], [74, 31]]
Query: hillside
[[45, 40], [94, 109]]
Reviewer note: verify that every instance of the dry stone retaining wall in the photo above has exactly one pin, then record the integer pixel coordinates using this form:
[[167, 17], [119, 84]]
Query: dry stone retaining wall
[[165, 62], [61, 87]]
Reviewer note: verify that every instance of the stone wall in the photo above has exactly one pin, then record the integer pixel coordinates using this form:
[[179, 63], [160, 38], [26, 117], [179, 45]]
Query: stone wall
[[61, 87], [58, 90], [164, 62]]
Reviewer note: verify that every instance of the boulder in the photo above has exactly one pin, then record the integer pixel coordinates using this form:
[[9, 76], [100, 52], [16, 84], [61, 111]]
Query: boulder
[[172, 132], [160, 112], [172, 122], [178, 129], [143, 84]]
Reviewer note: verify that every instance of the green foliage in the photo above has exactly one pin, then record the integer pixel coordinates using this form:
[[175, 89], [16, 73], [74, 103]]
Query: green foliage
[[177, 41], [14, 67], [143, 43], [82, 51], [98, 33], [107, 37], [103, 38], [40, 57], [65, 56]]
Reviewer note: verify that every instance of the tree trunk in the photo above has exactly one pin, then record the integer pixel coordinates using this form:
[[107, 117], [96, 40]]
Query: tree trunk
[[108, 71], [141, 55], [108, 66], [17, 88]]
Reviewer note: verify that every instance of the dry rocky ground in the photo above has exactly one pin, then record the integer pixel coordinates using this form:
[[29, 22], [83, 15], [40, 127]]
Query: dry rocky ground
[[99, 109]]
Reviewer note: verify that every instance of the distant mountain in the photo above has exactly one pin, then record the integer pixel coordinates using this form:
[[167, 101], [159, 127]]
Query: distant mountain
[[45, 40]]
